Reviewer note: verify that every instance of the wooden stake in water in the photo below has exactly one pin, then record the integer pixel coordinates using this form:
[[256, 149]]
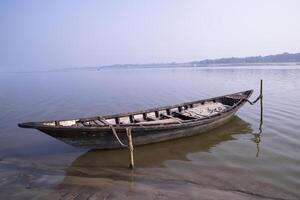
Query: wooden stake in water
[[257, 138], [130, 146], [261, 102]]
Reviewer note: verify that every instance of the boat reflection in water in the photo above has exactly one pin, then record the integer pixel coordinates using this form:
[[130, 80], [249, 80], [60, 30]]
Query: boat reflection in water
[[110, 163]]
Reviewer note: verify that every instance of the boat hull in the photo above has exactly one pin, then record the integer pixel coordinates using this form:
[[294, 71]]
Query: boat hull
[[104, 139]]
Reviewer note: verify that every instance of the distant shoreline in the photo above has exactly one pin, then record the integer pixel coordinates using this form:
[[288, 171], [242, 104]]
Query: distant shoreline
[[183, 65], [284, 59]]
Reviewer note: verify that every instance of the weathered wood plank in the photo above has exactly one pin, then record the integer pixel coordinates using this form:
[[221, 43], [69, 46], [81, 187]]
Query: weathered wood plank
[[149, 118], [103, 121], [137, 120], [160, 122], [156, 114], [86, 124], [79, 124], [168, 111], [145, 116], [98, 122], [179, 109], [171, 117], [183, 116], [92, 123], [131, 118]]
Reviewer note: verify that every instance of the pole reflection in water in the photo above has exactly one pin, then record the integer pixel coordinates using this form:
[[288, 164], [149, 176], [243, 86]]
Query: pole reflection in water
[[257, 136]]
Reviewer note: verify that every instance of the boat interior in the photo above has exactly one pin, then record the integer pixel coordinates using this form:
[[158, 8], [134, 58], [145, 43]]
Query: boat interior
[[175, 114]]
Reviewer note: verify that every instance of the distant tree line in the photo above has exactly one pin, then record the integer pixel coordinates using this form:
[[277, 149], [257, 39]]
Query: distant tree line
[[279, 58]]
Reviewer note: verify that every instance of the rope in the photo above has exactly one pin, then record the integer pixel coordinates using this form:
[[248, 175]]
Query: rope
[[128, 131], [116, 135], [252, 103]]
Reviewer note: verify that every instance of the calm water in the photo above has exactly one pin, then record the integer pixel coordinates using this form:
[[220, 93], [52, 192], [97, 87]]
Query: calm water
[[228, 162]]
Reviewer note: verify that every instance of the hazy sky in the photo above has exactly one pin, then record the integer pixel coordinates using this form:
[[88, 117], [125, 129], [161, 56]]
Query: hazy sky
[[57, 34]]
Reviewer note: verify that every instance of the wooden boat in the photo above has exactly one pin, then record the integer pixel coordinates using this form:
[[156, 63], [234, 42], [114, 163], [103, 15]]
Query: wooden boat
[[148, 126]]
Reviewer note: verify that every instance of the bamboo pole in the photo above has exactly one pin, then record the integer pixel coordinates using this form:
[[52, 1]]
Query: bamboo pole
[[261, 106], [257, 138], [130, 146]]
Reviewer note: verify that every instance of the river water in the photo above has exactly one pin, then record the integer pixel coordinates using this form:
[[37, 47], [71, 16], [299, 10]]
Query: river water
[[232, 161]]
